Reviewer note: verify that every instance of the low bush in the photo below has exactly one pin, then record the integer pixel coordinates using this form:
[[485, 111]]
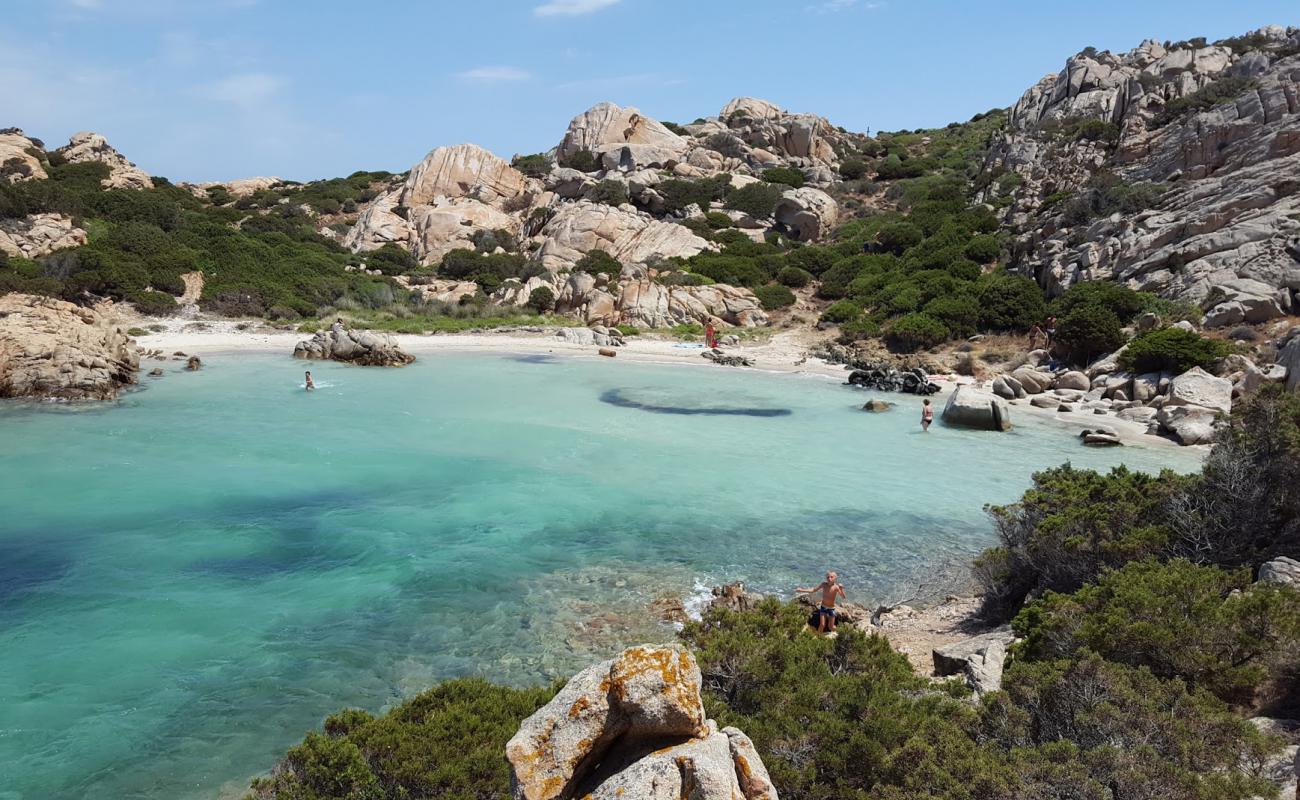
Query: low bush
[[774, 296], [581, 160], [153, 304], [678, 193], [534, 166], [597, 261], [794, 277], [983, 249], [1172, 350], [1089, 331], [842, 311], [758, 200], [1223, 90], [717, 220], [1010, 303], [541, 299], [609, 192], [784, 175], [1117, 298], [1204, 625], [853, 169], [914, 332], [1106, 195]]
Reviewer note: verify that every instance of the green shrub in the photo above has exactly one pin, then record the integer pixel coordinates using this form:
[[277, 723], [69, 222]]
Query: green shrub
[[1070, 526], [1106, 195], [1096, 130], [1088, 729], [153, 304], [534, 166], [774, 296], [858, 329], [596, 261], [983, 249], [446, 742], [541, 299], [914, 332], [853, 169], [1172, 350], [899, 236], [1117, 298], [717, 220], [960, 314], [1010, 303], [392, 260], [1089, 331], [678, 193], [784, 175], [813, 258], [609, 192], [1223, 90], [894, 168], [582, 160], [136, 332], [842, 311], [758, 200], [1202, 624], [794, 277]]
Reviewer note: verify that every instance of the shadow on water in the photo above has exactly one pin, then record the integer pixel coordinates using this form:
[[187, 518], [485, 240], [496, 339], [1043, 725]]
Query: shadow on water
[[535, 358], [614, 397], [27, 565]]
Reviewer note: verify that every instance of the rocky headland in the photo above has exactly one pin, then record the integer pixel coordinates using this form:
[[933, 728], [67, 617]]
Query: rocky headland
[[53, 350]]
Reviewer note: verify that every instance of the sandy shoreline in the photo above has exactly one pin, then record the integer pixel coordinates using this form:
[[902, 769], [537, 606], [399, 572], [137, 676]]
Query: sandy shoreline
[[785, 352]]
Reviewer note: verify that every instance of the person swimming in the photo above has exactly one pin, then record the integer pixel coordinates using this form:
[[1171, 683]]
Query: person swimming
[[310, 384], [831, 590]]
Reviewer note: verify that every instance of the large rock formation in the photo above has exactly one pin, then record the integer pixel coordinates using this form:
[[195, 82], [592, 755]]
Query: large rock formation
[[627, 235], [969, 408], [52, 350], [364, 348], [88, 146], [634, 727], [20, 157], [1231, 206], [39, 235], [622, 138]]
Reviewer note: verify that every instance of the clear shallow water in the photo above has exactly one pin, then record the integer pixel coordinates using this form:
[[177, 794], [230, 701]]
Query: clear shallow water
[[193, 577]]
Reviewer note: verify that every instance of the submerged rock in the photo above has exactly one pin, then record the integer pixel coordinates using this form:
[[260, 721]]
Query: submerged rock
[[634, 727], [365, 348], [52, 350]]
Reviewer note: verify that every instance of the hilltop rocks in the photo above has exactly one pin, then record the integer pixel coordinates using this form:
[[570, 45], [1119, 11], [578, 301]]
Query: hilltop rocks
[[967, 408], [364, 348], [768, 130], [634, 727], [461, 171], [19, 157], [627, 235], [1219, 232], [54, 350], [39, 235], [623, 138], [88, 146]]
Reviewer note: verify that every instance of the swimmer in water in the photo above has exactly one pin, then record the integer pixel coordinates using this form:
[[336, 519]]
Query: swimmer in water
[[310, 385]]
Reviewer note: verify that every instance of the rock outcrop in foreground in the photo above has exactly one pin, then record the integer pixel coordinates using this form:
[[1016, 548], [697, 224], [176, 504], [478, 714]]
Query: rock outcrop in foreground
[[52, 350], [634, 727], [364, 348]]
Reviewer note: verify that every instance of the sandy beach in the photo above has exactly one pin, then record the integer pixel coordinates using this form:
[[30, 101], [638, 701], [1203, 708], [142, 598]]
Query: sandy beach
[[786, 351]]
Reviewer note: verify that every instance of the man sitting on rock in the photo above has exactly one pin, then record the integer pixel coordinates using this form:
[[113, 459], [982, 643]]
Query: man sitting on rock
[[337, 327], [825, 613]]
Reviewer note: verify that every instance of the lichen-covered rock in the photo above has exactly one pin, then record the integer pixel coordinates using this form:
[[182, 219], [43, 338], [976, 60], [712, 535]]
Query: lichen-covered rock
[[88, 146], [364, 348], [52, 350], [633, 727]]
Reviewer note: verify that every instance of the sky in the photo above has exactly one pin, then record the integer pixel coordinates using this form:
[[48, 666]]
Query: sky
[[205, 90]]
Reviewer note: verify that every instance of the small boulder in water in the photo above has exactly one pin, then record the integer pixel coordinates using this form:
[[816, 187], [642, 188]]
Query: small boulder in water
[[877, 406], [193, 364]]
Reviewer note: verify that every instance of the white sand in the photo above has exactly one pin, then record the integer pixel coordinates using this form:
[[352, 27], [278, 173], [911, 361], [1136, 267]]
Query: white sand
[[784, 351]]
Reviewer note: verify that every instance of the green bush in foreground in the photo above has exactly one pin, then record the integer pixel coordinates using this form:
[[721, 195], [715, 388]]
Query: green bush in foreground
[[1202, 624], [774, 296], [447, 742], [1172, 350]]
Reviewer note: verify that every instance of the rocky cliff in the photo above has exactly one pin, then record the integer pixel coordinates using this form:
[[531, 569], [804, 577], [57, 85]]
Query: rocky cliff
[[52, 350], [1174, 168]]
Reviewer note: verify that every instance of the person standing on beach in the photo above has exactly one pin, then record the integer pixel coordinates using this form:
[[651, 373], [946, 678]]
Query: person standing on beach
[[831, 591], [927, 414], [310, 384], [710, 336]]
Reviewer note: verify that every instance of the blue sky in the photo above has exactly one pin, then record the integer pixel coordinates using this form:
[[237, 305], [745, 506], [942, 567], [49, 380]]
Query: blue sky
[[219, 89]]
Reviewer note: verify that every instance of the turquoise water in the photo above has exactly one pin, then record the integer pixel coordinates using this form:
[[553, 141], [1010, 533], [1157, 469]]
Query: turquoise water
[[194, 576]]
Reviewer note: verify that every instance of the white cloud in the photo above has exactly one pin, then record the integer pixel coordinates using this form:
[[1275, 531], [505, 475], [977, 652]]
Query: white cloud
[[494, 73], [571, 8], [246, 90]]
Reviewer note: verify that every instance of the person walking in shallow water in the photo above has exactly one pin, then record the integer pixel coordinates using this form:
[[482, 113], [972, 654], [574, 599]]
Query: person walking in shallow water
[[831, 591], [927, 414], [310, 384]]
